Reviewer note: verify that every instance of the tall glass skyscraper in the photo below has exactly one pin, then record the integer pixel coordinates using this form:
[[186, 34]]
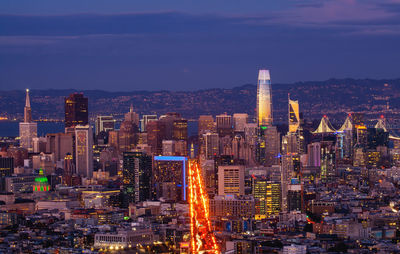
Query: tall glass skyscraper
[[264, 98]]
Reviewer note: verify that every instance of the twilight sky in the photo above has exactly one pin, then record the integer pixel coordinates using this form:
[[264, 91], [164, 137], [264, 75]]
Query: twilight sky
[[122, 45]]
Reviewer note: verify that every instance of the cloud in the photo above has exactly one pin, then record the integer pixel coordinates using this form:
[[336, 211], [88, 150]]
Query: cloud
[[336, 11]]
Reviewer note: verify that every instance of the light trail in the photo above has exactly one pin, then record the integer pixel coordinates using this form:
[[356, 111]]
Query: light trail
[[202, 237]]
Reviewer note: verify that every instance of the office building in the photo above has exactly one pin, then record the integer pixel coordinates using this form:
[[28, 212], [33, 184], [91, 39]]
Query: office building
[[294, 116], [224, 125], [19, 184], [170, 177], [231, 180], [18, 154], [84, 151], [136, 177], [328, 160], [264, 98], [206, 124], [69, 169], [267, 195], [145, 119], [127, 136], [290, 169], [232, 206], [60, 144], [76, 110], [272, 145], [314, 154], [239, 122], [104, 123], [123, 239], [210, 145], [180, 129], [6, 169], [156, 133], [27, 129], [295, 196], [168, 121], [132, 116], [39, 144]]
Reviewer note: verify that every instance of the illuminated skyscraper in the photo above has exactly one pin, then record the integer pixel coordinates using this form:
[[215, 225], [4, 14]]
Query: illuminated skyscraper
[[231, 180], [267, 196], [264, 98], [137, 169], [76, 110], [294, 116], [27, 129], [84, 150], [170, 177]]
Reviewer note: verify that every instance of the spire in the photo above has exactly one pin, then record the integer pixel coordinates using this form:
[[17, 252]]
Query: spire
[[27, 101], [131, 108], [27, 109]]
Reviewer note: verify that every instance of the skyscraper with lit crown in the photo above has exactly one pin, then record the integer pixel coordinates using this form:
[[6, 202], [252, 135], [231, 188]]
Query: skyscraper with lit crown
[[264, 98], [27, 129]]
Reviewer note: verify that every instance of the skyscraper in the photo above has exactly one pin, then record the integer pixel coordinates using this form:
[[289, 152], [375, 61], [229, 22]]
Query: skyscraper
[[294, 115], [145, 119], [180, 129], [272, 145], [137, 170], [6, 169], [240, 121], [156, 132], [210, 145], [27, 129], [76, 110], [170, 177], [206, 124], [224, 125], [60, 144], [104, 123], [264, 98], [231, 180], [84, 150]]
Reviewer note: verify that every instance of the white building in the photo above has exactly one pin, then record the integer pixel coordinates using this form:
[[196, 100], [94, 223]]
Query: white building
[[123, 239]]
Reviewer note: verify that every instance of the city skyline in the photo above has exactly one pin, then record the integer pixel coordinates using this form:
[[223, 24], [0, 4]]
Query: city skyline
[[154, 127], [159, 187]]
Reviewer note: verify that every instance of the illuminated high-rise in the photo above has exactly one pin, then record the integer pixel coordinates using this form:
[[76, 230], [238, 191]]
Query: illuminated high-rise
[[169, 177], [137, 170], [84, 150], [27, 129], [76, 110], [294, 116], [264, 98]]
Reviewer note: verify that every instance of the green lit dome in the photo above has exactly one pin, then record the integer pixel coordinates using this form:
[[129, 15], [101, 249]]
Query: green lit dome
[[41, 182]]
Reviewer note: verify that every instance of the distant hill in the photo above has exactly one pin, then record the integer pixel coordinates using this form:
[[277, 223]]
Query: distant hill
[[333, 97]]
